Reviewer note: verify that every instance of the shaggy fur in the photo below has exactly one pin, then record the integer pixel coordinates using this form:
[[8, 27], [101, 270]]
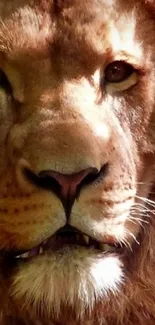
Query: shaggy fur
[[59, 113]]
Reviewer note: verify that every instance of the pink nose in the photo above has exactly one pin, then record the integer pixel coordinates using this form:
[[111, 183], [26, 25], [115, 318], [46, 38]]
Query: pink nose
[[69, 183], [67, 187]]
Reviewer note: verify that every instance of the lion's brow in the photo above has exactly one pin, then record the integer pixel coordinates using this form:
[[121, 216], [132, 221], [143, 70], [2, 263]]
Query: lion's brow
[[33, 31], [26, 30]]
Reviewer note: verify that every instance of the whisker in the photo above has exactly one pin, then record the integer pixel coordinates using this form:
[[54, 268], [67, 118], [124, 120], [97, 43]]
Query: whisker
[[144, 183], [142, 209], [138, 219], [147, 201], [135, 222], [141, 214], [140, 205], [132, 235], [127, 244]]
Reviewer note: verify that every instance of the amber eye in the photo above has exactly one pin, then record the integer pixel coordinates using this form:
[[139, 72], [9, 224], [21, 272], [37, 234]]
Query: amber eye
[[117, 71]]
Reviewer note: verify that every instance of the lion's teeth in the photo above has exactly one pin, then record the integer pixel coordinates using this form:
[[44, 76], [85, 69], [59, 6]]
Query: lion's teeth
[[41, 250], [31, 253], [86, 238], [102, 247], [106, 248], [25, 255]]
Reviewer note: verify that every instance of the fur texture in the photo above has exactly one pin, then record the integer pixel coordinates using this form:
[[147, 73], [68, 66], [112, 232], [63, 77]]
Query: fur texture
[[58, 112]]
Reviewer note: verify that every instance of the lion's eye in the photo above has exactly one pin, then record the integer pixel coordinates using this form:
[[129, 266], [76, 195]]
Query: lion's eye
[[117, 71], [4, 82]]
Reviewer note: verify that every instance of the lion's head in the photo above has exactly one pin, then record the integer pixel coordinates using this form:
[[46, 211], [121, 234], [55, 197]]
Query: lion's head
[[77, 84]]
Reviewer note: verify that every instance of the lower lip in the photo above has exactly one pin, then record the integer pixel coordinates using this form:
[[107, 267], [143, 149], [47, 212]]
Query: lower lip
[[60, 248]]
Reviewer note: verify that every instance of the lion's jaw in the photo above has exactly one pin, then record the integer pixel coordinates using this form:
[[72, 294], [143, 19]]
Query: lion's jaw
[[64, 122], [76, 278]]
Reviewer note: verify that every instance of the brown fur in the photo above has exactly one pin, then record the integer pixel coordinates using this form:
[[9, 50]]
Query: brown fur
[[57, 117]]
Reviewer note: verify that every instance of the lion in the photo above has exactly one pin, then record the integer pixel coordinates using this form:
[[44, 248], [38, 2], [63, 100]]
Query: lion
[[77, 162]]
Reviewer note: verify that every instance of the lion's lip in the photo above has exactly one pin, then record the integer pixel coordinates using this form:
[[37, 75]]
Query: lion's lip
[[68, 236]]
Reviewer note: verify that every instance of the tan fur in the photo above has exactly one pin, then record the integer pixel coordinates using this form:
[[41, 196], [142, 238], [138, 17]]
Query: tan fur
[[57, 117]]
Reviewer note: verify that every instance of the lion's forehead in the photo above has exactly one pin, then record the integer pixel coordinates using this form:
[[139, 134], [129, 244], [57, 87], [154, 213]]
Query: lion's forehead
[[89, 29]]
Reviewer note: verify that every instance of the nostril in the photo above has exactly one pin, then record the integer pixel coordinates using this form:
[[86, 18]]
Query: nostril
[[66, 187], [69, 183], [43, 181]]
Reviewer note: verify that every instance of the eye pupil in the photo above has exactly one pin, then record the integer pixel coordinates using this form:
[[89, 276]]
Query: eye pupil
[[118, 71]]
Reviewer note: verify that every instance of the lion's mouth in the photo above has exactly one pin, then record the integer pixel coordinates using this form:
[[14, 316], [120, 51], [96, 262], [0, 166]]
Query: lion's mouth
[[69, 236]]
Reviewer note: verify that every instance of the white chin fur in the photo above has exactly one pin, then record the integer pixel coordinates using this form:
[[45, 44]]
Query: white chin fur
[[75, 277]]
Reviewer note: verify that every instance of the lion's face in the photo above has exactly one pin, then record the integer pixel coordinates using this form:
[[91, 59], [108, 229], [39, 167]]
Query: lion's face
[[76, 105]]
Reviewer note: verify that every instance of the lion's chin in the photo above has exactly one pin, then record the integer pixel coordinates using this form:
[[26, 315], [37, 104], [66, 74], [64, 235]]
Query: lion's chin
[[75, 277]]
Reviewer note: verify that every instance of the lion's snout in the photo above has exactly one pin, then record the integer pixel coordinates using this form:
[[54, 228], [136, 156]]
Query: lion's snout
[[66, 148]]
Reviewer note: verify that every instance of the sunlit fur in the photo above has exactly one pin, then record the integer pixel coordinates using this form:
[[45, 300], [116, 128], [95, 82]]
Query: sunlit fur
[[57, 112], [79, 284]]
